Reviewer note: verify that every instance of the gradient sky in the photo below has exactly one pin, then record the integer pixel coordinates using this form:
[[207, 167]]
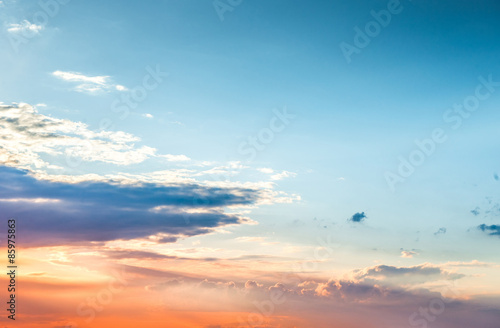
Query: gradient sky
[[200, 156]]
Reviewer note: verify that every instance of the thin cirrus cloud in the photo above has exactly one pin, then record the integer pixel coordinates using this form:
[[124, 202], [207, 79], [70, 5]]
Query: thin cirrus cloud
[[282, 175], [176, 158], [25, 27], [393, 275], [89, 84]]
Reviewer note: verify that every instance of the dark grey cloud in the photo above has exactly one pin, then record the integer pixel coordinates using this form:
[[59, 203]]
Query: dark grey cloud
[[492, 230], [100, 211], [358, 217]]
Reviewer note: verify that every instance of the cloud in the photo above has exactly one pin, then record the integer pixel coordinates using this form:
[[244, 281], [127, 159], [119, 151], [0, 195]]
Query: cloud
[[441, 231], [66, 207], [176, 158], [251, 284], [104, 211], [476, 211], [282, 175], [408, 254], [147, 115], [493, 230], [473, 263], [266, 170], [404, 275], [25, 27], [358, 217], [28, 137], [349, 291], [267, 304], [89, 84]]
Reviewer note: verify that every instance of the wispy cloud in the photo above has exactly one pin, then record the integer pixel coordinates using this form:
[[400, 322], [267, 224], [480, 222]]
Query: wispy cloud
[[441, 231], [25, 27], [266, 170], [176, 158], [89, 84], [283, 175], [391, 275]]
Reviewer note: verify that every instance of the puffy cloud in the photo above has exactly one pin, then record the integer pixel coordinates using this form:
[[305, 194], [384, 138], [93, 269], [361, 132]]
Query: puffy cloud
[[358, 217], [306, 303], [163, 205], [492, 230], [350, 291], [251, 284], [408, 254], [27, 135]]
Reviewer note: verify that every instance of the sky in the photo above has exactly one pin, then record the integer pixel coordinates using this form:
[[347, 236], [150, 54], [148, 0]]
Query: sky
[[237, 163]]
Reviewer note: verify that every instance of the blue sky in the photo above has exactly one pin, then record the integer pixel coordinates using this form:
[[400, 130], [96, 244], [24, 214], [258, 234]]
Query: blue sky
[[224, 78], [222, 81]]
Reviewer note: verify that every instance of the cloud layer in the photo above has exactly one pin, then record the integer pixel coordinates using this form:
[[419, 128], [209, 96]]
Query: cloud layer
[[57, 212]]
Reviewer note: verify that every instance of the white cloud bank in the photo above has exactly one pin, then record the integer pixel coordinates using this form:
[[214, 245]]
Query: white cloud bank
[[27, 136]]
